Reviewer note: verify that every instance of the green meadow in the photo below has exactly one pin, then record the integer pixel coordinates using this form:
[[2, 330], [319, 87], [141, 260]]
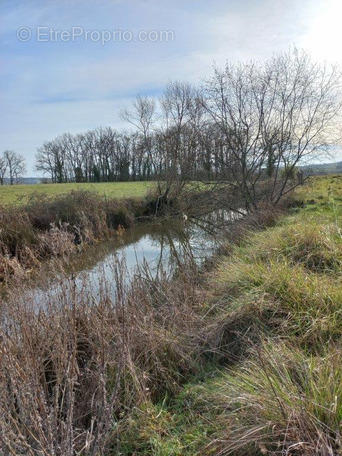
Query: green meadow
[[20, 194]]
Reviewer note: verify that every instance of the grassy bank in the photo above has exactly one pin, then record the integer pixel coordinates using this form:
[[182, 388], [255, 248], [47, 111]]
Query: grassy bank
[[21, 194], [273, 383], [243, 360]]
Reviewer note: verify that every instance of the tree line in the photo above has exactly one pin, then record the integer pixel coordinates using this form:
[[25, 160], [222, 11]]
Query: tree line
[[249, 125], [108, 155]]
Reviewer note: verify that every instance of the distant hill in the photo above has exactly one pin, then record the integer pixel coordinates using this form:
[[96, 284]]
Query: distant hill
[[324, 168], [25, 180]]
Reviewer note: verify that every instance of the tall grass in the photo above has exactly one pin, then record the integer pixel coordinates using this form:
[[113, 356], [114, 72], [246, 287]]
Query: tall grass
[[280, 402], [73, 368]]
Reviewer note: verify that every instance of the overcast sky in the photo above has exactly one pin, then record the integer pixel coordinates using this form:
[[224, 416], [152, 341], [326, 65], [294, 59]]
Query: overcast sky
[[52, 83]]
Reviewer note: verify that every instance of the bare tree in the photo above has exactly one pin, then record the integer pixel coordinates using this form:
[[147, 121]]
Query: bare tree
[[15, 164], [179, 109], [48, 160], [273, 117], [3, 169], [168, 141], [142, 116]]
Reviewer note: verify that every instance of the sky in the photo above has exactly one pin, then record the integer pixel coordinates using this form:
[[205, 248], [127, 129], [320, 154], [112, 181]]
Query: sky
[[72, 65]]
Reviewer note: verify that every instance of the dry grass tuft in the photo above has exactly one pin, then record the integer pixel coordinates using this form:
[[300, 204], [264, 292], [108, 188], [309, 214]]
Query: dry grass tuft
[[280, 402]]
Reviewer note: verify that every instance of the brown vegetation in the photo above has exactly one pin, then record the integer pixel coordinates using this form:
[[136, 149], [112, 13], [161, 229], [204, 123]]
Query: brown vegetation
[[45, 227]]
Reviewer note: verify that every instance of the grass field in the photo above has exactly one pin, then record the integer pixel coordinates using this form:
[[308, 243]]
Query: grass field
[[20, 194]]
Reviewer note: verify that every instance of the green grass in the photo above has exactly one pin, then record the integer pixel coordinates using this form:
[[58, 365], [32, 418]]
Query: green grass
[[182, 426], [279, 291], [20, 194]]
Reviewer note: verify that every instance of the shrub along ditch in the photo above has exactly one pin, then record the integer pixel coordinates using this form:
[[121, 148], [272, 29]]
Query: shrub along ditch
[[47, 227]]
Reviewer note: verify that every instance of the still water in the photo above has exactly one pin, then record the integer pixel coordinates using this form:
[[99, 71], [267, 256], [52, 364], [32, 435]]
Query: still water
[[157, 247]]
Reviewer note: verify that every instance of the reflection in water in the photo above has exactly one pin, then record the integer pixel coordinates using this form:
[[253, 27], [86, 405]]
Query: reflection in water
[[160, 247]]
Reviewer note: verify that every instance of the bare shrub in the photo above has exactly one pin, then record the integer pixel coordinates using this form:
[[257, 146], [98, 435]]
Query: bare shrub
[[56, 242], [9, 267]]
